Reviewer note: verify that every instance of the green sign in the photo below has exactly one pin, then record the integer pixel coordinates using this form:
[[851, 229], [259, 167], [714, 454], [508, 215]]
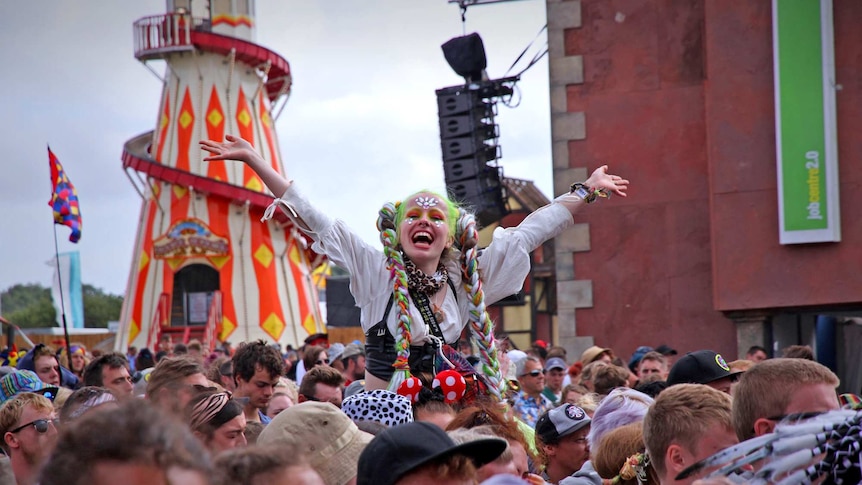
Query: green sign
[[805, 121]]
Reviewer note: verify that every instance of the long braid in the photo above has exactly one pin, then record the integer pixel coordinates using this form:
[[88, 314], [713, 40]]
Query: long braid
[[481, 325], [395, 265]]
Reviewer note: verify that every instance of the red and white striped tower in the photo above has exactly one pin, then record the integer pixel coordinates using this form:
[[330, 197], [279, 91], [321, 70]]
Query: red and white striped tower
[[204, 265]]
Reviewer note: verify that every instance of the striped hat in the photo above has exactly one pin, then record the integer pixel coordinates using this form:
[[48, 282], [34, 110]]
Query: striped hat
[[24, 381]]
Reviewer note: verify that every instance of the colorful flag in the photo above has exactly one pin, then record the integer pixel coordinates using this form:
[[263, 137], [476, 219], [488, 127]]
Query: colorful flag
[[64, 199]]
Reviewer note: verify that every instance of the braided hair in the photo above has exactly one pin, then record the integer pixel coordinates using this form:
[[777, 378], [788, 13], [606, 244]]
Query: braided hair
[[463, 225]]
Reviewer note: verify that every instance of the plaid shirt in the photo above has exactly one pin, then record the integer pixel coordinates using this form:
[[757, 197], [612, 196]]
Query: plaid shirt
[[529, 409]]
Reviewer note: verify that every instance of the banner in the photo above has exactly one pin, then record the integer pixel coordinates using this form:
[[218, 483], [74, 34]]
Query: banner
[[73, 298], [805, 125]]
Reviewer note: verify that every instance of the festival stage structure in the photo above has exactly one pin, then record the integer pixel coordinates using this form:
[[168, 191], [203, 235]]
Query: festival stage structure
[[204, 266]]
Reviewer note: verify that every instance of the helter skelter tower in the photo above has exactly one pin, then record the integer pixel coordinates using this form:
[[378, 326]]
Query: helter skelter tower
[[204, 265]]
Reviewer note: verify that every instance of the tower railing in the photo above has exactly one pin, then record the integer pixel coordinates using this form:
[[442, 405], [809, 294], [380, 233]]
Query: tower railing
[[160, 320], [171, 32]]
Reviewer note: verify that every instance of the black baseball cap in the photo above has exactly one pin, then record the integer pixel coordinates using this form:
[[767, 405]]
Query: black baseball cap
[[665, 349], [399, 450], [561, 421], [699, 367]]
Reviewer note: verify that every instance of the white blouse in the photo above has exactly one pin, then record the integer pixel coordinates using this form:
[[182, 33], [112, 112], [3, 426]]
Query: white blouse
[[504, 264]]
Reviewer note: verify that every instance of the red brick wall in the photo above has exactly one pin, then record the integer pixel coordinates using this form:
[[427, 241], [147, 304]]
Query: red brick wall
[[678, 97], [752, 270]]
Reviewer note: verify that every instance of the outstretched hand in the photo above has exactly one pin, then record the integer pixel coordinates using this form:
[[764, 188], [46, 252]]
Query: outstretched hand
[[234, 148], [601, 179]]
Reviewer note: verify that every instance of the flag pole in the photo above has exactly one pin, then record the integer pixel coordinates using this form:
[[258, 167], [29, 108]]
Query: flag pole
[[62, 298]]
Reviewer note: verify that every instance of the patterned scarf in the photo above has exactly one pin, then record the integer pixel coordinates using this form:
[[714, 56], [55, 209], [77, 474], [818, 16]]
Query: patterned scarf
[[419, 281]]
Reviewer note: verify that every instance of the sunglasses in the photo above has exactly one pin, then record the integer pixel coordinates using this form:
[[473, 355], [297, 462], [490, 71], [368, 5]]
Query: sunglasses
[[320, 362], [534, 373], [41, 425]]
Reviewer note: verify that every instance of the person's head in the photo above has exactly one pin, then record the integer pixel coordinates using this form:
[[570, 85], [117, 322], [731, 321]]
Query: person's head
[[609, 377], [85, 400], [166, 343], [623, 454], [23, 380], [153, 448], [490, 417], [385, 407], [756, 354], [110, 371], [687, 423], [28, 426], [425, 225], [505, 464], [322, 384], [555, 372], [561, 438], [281, 465], [256, 369], [220, 371], [531, 376], [621, 407], [353, 362], [703, 367], [635, 360], [588, 374], [278, 403], [573, 392], [775, 388], [144, 359], [314, 356], [423, 454], [798, 352], [652, 363], [79, 359], [321, 427], [45, 365], [174, 382], [596, 353], [217, 420]]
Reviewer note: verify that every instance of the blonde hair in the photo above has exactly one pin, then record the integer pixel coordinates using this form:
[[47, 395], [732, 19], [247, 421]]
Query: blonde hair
[[611, 456], [767, 389], [682, 414]]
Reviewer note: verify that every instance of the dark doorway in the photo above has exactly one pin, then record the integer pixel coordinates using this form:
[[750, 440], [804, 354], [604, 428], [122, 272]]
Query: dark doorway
[[193, 291]]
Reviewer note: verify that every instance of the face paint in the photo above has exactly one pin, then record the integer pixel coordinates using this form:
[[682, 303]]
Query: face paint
[[426, 202]]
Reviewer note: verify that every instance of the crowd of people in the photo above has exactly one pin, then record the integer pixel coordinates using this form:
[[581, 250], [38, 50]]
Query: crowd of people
[[260, 414], [432, 395]]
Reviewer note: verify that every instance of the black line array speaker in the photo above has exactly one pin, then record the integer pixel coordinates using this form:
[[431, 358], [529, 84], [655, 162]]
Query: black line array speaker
[[341, 309], [468, 143]]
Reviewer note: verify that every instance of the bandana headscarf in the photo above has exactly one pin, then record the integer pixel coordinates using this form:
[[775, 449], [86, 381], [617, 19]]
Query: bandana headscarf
[[208, 408]]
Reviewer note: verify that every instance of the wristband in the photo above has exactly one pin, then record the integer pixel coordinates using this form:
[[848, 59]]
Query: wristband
[[587, 194]]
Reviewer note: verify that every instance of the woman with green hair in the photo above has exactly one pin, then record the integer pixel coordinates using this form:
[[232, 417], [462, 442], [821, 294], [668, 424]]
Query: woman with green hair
[[431, 279]]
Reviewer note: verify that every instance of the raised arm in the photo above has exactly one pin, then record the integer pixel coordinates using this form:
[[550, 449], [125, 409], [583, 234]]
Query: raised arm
[[240, 150], [600, 181]]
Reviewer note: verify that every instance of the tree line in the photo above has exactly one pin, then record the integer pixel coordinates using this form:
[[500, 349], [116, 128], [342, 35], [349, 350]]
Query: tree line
[[30, 305]]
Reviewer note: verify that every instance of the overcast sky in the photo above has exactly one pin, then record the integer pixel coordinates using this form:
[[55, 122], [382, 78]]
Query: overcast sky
[[360, 127]]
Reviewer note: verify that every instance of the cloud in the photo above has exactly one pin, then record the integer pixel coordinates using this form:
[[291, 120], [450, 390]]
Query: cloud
[[359, 129]]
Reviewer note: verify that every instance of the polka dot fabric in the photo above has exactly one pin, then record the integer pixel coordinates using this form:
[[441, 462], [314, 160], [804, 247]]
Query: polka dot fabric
[[385, 407], [452, 384], [410, 389]]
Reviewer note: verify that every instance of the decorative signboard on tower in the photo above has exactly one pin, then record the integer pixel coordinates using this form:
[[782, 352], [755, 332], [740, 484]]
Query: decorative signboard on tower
[[805, 124]]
